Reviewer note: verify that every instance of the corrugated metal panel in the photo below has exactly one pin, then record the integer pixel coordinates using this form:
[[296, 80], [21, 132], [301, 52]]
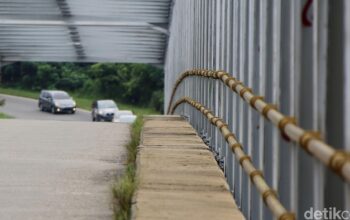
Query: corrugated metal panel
[[83, 30], [266, 45]]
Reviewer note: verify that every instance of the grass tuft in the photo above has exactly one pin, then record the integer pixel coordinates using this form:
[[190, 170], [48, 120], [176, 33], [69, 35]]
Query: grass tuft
[[4, 116], [125, 187]]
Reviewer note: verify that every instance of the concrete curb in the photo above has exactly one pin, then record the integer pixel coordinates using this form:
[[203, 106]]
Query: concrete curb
[[178, 176]]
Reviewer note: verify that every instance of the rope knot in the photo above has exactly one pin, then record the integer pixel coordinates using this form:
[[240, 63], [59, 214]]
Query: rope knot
[[283, 123], [338, 160], [307, 137]]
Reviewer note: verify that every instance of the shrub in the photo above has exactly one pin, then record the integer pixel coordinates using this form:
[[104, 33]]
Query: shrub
[[138, 84], [157, 100]]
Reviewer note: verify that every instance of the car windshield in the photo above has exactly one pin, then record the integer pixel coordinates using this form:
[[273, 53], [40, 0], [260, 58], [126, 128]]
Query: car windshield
[[60, 95], [107, 104]]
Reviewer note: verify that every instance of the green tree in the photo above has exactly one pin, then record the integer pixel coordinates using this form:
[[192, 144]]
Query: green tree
[[139, 84], [29, 75], [11, 74], [47, 76]]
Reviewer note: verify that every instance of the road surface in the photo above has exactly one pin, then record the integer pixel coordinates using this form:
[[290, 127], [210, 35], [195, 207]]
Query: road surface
[[57, 166], [59, 169], [25, 108]]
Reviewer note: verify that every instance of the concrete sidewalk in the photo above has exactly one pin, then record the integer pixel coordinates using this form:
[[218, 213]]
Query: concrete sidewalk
[[178, 176]]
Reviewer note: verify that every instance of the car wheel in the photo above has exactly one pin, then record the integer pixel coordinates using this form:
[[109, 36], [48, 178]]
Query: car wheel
[[53, 110], [98, 118], [72, 112], [41, 107]]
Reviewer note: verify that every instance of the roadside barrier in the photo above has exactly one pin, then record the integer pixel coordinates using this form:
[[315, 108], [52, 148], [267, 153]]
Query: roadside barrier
[[269, 195], [337, 160]]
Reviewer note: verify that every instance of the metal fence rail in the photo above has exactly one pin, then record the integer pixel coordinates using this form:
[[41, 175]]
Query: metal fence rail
[[301, 68], [269, 196], [337, 160]]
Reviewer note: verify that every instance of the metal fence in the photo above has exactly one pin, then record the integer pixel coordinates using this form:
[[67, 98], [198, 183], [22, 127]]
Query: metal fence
[[295, 53]]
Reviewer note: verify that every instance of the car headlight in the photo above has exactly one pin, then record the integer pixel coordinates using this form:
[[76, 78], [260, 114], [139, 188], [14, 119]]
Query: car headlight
[[74, 103], [57, 104], [101, 112]]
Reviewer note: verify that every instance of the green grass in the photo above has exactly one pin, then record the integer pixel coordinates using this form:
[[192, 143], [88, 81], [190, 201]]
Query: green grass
[[82, 102], [4, 116], [19, 92], [125, 187]]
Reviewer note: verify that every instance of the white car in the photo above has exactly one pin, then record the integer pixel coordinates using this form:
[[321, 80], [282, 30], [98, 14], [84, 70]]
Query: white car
[[104, 110], [107, 110], [125, 116]]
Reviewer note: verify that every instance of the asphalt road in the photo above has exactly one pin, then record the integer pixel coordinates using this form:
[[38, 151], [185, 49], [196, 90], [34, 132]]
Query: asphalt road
[[25, 108], [58, 166], [59, 169]]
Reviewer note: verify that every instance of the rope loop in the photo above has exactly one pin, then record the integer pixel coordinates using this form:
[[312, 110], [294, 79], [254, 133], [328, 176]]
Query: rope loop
[[256, 173], [223, 125], [267, 108], [244, 90], [282, 124], [254, 99], [221, 73], [338, 160], [206, 112], [268, 193], [243, 158], [227, 81], [214, 120], [229, 135], [211, 74], [307, 137], [235, 84], [236, 145], [287, 216]]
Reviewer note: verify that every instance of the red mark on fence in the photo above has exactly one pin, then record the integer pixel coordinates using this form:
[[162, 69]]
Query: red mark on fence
[[305, 19]]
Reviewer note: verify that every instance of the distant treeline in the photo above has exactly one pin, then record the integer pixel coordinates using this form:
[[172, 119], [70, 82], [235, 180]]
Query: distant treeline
[[131, 83]]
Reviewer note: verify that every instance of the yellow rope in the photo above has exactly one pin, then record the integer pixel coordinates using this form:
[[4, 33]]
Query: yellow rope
[[310, 141], [269, 195]]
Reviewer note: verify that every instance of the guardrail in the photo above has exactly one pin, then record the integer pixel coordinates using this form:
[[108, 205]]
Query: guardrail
[[269, 195], [338, 161]]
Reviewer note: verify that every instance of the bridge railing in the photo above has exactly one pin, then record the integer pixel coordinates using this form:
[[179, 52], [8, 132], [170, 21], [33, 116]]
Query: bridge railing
[[268, 195], [337, 160], [296, 66]]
